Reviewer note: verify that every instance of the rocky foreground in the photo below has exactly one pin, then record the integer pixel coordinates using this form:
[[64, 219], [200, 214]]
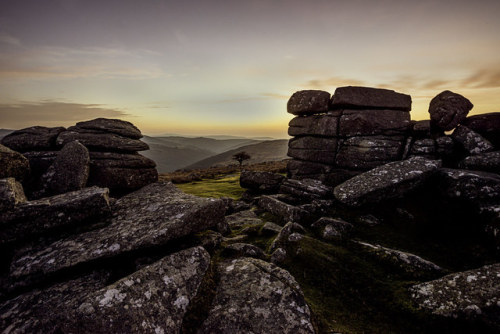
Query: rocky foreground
[[363, 237]]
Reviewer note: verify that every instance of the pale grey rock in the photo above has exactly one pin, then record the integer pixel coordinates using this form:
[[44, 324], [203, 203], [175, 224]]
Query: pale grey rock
[[308, 102], [469, 185], [66, 210], [469, 294], [281, 209], [306, 189], [13, 164], [243, 218], [488, 162], [152, 216], [373, 122], [254, 296], [118, 126], [471, 141], [392, 180], [314, 125], [369, 98], [35, 138], [409, 263], [11, 194], [448, 109]]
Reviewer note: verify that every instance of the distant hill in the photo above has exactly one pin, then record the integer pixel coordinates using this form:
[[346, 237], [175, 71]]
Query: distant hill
[[272, 150]]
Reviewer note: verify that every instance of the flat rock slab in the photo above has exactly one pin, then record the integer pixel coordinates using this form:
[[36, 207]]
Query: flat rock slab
[[13, 164], [469, 185], [254, 296], [65, 210], [488, 162], [308, 102], [121, 180], [151, 216], [487, 125], [281, 209], [36, 138], [471, 141], [98, 141], [314, 125], [320, 156], [122, 128], [373, 122], [465, 294], [306, 188], [120, 160], [392, 180], [368, 98]]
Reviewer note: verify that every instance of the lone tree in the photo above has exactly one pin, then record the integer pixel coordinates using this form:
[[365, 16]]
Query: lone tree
[[240, 157]]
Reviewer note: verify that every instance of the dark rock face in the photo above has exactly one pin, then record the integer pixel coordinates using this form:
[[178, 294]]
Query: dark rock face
[[487, 125], [368, 152], [314, 125], [243, 218], [13, 164], [122, 179], [471, 141], [153, 215], [392, 180], [467, 294], [119, 160], [278, 304], [448, 109], [36, 138], [37, 217], [488, 162], [99, 141], [469, 185], [424, 147], [244, 250], [11, 194], [365, 97], [281, 209], [313, 143], [261, 181], [373, 122], [306, 188], [118, 126], [332, 228], [308, 101], [320, 156], [421, 129], [69, 171]]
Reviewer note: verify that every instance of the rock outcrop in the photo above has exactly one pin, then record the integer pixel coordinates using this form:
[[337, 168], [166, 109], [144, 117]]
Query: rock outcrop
[[13, 164], [448, 109]]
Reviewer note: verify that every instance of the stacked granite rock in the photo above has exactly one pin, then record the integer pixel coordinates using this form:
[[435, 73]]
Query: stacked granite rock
[[358, 129], [101, 152]]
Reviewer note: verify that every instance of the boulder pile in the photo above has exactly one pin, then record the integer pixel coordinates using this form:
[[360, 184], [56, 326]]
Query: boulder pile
[[101, 152]]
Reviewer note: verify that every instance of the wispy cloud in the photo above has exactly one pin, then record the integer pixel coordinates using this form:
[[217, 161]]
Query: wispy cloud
[[484, 78], [52, 113], [333, 82], [6, 38]]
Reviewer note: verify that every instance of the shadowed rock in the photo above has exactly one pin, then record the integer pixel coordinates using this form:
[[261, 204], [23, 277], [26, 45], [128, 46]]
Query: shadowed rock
[[281, 209], [424, 147], [314, 125], [332, 228], [448, 109], [373, 122], [487, 125], [321, 156], [13, 164], [366, 98], [488, 162], [119, 160], [392, 180], [151, 216], [120, 180], [99, 141], [257, 297], [471, 141], [11, 194], [122, 128], [36, 138], [244, 250], [308, 102], [261, 181], [37, 217], [469, 185]]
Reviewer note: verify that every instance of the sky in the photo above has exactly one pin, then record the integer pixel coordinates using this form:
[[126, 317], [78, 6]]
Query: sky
[[228, 67]]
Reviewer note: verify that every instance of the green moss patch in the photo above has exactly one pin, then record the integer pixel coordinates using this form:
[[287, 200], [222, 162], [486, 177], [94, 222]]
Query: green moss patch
[[225, 186]]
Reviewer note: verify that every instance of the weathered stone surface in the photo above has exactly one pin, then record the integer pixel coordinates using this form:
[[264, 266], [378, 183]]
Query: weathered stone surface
[[151, 300], [257, 297], [243, 218], [321, 156], [487, 125], [366, 98], [300, 168], [121, 179], [283, 237], [153, 215], [40, 216], [244, 250], [313, 143], [469, 294], [471, 141], [122, 128], [261, 181], [36, 138], [392, 180], [373, 122], [308, 102], [271, 228], [69, 172], [445, 146], [469, 185], [327, 174], [281, 209], [278, 256], [98, 141], [314, 125], [424, 147], [488, 162], [46, 311], [40, 161], [13, 164], [119, 160], [332, 228], [407, 262], [11, 194], [306, 188], [361, 153], [421, 129], [448, 109]]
